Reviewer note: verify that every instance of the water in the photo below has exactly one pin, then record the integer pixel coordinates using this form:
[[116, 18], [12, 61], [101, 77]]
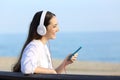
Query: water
[[96, 46]]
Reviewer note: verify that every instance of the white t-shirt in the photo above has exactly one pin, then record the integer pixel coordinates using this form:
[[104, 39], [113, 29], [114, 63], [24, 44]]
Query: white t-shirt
[[36, 54]]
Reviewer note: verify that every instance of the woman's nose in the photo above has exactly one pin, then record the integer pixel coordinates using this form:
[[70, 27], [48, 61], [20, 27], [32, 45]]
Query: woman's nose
[[58, 29]]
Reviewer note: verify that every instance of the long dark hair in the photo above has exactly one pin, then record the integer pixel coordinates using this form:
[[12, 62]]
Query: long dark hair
[[33, 34]]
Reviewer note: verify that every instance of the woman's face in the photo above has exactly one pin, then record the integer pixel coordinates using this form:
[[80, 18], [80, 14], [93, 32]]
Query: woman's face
[[52, 28]]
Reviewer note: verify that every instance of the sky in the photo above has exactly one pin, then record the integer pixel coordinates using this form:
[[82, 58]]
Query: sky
[[72, 15]]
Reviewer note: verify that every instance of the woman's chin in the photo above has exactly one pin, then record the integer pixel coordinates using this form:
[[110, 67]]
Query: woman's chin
[[53, 37]]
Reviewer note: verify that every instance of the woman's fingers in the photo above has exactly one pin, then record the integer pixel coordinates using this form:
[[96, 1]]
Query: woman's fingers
[[74, 57], [71, 60]]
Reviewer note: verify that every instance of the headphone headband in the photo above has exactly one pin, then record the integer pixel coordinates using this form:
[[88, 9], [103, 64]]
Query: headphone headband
[[42, 19], [41, 30]]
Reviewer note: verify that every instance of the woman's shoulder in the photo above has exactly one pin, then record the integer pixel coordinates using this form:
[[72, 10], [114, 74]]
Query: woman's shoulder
[[35, 44], [32, 46]]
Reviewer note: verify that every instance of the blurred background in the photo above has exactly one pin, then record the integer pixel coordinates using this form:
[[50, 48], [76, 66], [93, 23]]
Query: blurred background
[[92, 24]]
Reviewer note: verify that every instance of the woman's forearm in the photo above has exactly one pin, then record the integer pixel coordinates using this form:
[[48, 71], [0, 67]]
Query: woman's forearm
[[60, 68], [44, 70]]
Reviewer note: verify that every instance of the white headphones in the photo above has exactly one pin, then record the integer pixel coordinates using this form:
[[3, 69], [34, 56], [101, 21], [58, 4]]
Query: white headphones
[[41, 30]]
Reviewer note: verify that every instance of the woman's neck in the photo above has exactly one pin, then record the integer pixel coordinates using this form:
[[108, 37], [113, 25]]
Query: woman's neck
[[44, 40]]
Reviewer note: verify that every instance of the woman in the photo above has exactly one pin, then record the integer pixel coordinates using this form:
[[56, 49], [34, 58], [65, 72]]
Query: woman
[[35, 56]]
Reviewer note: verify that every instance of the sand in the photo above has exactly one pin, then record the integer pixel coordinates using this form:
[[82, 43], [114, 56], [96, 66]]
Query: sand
[[78, 67]]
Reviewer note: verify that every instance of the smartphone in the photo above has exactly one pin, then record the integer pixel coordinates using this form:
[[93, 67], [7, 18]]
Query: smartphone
[[74, 53]]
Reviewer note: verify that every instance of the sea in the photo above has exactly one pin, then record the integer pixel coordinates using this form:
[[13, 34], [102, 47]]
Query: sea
[[96, 46]]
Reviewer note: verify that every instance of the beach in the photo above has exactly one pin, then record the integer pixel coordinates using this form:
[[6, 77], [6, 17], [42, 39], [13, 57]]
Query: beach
[[78, 67]]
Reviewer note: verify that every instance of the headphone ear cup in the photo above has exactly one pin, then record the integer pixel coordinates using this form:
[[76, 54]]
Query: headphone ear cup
[[41, 30]]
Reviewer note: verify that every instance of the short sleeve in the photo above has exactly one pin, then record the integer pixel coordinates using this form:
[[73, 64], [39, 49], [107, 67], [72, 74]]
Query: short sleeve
[[28, 61]]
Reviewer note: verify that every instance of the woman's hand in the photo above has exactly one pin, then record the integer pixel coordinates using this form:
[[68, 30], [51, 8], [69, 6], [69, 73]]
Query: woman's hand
[[66, 62], [69, 61]]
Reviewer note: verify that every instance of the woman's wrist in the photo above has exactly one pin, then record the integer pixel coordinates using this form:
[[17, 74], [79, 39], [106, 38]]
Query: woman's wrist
[[52, 71]]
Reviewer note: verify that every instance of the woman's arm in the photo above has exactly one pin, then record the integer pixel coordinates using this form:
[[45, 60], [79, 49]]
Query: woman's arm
[[44, 70], [66, 62]]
